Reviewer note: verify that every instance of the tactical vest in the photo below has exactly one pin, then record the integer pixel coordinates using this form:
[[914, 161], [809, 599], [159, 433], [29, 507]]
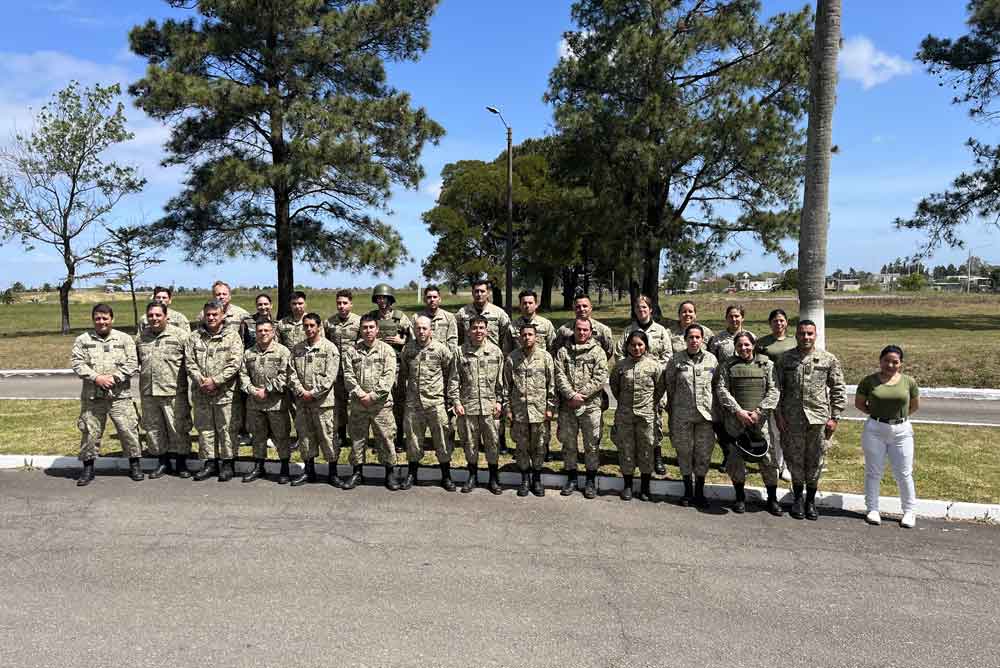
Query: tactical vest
[[388, 327], [747, 381]]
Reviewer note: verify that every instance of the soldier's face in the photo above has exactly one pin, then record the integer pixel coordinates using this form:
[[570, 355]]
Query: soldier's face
[[221, 294], [693, 340], [528, 306], [344, 306], [422, 330], [582, 331], [157, 319], [779, 324], [477, 333], [432, 298], [264, 307], [102, 323], [643, 312], [298, 307], [734, 320], [528, 336], [687, 315], [744, 348], [636, 347], [162, 297], [583, 308], [311, 329], [479, 293], [213, 319], [265, 334], [383, 303], [805, 335], [369, 331]]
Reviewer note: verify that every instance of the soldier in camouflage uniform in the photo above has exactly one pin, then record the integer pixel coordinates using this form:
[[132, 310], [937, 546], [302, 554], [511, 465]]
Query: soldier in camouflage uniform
[[721, 344], [394, 329], [746, 392], [342, 328], [235, 318], [480, 401], [581, 372], [687, 315], [637, 382], [290, 329], [689, 379], [264, 379], [315, 368], [165, 296], [213, 355], [444, 326], [431, 383], [813, 396], [529, 380], [163, 389], [601, 333], [369, 370], [105, 359], [528, 302], [262, 303], [497, 320]]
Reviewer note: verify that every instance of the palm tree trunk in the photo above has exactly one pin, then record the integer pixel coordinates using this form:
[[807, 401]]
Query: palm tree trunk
[[816, 204]]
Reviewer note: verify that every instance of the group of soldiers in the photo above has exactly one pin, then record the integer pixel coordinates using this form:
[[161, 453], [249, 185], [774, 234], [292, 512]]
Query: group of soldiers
[[382, 381]]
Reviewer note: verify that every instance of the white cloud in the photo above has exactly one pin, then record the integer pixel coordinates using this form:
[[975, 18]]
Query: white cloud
[[433, 189], [860, 61], [563, 50]]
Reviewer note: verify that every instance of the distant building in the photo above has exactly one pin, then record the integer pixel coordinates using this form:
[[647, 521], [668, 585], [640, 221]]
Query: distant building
[[843, 284], [960, 283]]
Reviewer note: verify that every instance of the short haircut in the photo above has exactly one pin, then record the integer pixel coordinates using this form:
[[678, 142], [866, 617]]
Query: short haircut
[[368, 317], [477, 319], [264, 321], [420, 318], [684, 303], [736, 307], [346, 293], [315, 317], [582, 295], [218, 283], [745, 335], [160, 288], [528, 325], [583, 320], [637, 334], [214, 305], [803, 323], [891, 348], [692, 326], [156, 304], [481, 281], [775, 313], [432, 288], [264, 295], [101, 308], [298, 294], [527, 293]]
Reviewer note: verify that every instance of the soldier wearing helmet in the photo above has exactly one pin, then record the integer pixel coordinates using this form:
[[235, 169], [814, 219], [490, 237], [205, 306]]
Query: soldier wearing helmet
[[395, 329]]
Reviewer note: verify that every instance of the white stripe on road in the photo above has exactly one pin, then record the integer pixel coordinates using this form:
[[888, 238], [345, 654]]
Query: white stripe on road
[[943, 422]]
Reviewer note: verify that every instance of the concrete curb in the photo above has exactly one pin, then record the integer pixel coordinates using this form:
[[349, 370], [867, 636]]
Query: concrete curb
[[930, 508], [4, 373]]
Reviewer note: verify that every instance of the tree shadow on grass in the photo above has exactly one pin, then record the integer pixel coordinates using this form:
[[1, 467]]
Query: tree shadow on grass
[[872, 322]]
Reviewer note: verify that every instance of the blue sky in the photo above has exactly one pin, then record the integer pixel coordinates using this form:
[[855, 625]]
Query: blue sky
[[899, 136]]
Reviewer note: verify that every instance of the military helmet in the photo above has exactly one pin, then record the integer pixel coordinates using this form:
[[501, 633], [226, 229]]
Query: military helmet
[[384, 290], [753, 447]]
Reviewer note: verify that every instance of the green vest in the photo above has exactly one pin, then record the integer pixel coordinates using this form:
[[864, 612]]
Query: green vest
[[389, 327], [747, 382]]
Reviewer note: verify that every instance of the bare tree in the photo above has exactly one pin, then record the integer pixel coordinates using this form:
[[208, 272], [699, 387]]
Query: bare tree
[[128, 252]]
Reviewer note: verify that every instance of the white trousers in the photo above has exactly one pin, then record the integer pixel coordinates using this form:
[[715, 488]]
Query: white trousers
[[774, 433], [895, 441]]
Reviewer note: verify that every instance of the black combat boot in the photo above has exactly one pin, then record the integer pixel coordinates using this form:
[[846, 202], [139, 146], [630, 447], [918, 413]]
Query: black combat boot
[[773, 506], [494, 484], [284, 474], [135, 469], [209, 468], [688, 491], [699, 492], [308, 473], [87, 475], [810, 511], [740, 505], [411, 475], [644, 493], [658, 465], [570, 485], [181, 467], [356, 478], [627, 489], [332, 479], [796, 510], [522, 490], [256, 472], [536, 483], [162, 468], [590, 489], [470, 484], [227, 470], [391, 483], [447, 484]]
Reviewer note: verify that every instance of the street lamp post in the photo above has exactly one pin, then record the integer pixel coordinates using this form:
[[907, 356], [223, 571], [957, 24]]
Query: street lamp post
[[510, 210]]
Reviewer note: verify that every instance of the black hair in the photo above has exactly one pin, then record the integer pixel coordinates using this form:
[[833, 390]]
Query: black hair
[[101, 308], [298, 294], [156, 304], [892, 348], [368, 317], [314, 317], [695, 325], [637, 333], [775, 313]]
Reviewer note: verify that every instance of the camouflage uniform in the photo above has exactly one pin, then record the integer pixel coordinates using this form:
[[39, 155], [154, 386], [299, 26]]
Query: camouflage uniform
[[371, 370], [444, 327], [812, 391], [543, 326], [163, 391], [581, 369], [497, 323], [431, 383], [480, 388], [677, 342], [174, 317], [267, 370], [290, 332], [600, 333], [659, 341], [689, 384], [317, 368], [235, 318], [392, 324], [760, 372], [638, 386], [217, 356], [529, 381], [114, 355], [722, 345], [343, 334], [249, 329]]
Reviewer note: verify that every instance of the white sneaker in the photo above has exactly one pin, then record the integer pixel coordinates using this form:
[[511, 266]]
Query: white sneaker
[[873, 517], [908, 520]]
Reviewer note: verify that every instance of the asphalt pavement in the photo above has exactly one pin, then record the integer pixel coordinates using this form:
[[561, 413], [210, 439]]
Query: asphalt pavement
[[177, 573]]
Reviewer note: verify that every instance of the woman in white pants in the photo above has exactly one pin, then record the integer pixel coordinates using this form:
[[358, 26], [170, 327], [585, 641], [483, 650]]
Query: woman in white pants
[[889, 398]]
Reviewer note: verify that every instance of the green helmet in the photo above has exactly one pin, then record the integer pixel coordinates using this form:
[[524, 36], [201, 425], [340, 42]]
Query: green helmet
[[384, 290]]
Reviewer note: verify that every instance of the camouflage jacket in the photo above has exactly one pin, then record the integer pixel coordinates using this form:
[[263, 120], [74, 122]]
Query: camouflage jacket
[[429, 374], [174, 317], [392, 324], [115, 355], [161, 362], [637, 386], [728, 403], [581, 369], [370, 370], [218, 356], [444, 327], [234, 318], [290, 332], [811, 383], [530, 385], [497, 323], [266, 370], [315, 368], [343, 333], [689, 382], [722, 345], [248, 329], [600, 334], [677, 342], [480, 378], [659, 342], [543, 326]]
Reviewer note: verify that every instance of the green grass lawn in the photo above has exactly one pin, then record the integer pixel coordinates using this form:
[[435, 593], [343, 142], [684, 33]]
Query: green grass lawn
[[953, 463]]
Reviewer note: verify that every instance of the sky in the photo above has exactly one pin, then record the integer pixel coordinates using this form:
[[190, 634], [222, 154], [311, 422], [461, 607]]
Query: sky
[[898, 134]]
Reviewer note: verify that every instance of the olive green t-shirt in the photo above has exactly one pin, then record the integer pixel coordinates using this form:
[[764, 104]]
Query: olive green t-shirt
[[889, 402], [770, 345]]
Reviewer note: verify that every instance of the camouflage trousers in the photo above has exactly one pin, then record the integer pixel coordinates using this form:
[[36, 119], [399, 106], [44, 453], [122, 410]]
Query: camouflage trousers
[[317, 431], [214, 422], [275, 424], [416, 421], [381, 422], [694, 442], [479, 433], [532, 441], [737, 470], [634, 436], [94, 414], [591, 425], [167, 421], [805, 451]]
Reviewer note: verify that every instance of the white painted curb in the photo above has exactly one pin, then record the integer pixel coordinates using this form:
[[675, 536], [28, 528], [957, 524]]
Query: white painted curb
[[35, 372], [931, 508]]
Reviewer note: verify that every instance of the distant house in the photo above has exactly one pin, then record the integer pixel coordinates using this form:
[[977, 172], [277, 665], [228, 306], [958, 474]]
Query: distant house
[[843, 284], [746, 284], [961, 283], [887, 281]]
